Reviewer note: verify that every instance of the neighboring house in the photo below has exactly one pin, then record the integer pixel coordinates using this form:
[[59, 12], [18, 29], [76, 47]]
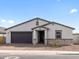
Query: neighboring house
[[2, 35], [39, 31], [76, 38]]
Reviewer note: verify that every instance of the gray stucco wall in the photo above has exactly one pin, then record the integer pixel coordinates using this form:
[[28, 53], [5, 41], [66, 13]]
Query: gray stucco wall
[[60, 42]]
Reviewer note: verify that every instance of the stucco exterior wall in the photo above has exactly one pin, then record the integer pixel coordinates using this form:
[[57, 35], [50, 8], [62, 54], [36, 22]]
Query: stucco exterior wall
[[42, 22], [27, 26], [8, 37], [24, 27], [60, 42], [76, 38], [66, 32]]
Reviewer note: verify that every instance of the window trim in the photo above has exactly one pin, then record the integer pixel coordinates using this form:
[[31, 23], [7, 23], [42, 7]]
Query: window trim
[[58, 34]]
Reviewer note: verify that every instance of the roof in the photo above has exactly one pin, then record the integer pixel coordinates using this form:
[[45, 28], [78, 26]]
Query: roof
[[63, 25], [49, 22], [55, 23], [26, 22], [40, 27]]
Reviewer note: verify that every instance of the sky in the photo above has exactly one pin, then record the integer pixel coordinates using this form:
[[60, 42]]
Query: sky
[[13, 12]]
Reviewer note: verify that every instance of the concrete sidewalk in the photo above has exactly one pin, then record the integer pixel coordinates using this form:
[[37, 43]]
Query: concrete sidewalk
[[38, 52]]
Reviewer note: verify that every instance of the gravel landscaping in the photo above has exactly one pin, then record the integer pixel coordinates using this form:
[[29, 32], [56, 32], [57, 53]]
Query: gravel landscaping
[[38, 47]]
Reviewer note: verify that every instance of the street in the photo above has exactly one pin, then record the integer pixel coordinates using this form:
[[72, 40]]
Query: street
[[6, 56], [18, 54]]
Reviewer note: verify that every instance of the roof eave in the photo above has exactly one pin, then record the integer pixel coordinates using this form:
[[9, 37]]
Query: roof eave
[[64, 25], [40, 27]]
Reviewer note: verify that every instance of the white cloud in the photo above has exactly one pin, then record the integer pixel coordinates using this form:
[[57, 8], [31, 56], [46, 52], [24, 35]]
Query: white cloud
[[7, 23], [74, 10], [3, 20], [11, 21]]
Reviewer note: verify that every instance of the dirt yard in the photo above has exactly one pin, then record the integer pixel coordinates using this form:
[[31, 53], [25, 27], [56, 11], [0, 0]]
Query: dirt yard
[[30, 47], [68, 48]]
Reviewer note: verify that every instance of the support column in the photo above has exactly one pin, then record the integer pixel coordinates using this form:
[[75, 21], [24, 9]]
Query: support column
[[46, 36], [34, 38], [8, 37]]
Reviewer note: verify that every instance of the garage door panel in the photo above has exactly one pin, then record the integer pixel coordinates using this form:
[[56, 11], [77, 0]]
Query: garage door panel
[[21, 37]]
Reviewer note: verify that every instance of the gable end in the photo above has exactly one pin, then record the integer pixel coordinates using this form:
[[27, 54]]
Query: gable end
[[49, 22], [27, 22]]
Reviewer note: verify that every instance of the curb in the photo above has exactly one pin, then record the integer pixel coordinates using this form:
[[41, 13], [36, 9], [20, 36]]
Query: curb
[[36, 52]]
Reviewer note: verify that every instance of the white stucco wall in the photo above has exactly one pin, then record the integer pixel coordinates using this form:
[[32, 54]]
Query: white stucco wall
[[24, 27], [8, 37], [42, 22], [66, 32], [27, 26]]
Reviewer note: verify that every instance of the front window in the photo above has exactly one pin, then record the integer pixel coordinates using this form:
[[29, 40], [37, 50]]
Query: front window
[[58, 34]]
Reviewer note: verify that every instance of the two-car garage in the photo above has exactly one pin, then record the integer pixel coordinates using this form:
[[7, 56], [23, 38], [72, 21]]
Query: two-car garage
[[21, 37]]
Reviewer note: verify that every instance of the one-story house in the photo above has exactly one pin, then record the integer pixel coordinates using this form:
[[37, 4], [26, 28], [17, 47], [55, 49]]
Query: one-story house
[[39, 31]]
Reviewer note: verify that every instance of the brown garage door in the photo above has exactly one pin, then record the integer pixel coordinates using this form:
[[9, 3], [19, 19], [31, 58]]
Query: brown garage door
[[21, 37]]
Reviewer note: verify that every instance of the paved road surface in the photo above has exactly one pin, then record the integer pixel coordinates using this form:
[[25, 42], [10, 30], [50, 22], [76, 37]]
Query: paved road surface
[[26, 56], [34, 55], [3, 56]]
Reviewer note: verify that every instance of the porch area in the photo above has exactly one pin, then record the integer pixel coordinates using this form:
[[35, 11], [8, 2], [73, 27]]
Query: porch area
[[40, 36]]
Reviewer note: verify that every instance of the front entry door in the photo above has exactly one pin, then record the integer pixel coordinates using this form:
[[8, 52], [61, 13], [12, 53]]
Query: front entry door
[[41, 35]]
